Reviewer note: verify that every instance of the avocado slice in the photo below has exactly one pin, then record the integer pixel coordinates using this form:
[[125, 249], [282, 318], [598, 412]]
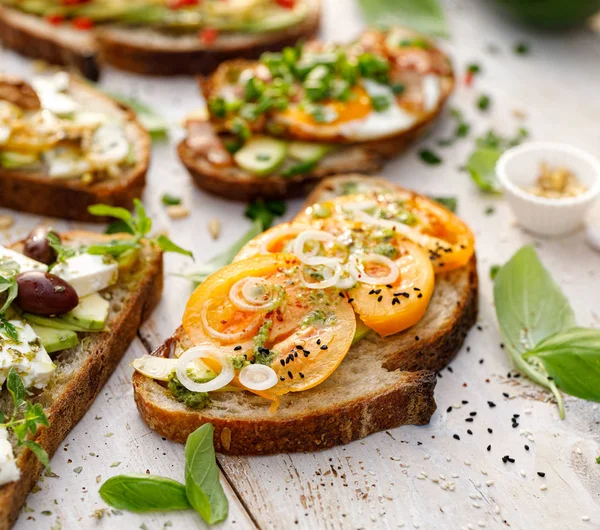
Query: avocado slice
[[55, 339], [14, 160], [261, 155], [52, 322], [90, 314], [362, 330], [308, 151]]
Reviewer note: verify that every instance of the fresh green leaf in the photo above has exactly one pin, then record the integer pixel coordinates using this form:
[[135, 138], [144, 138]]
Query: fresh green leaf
[[144, 493], [598, 460], [226, 257], [112, 248], [118, 227], [8, 329], [494, 269], [429, 157], [16, 388], [8, 268], [141, 221], [484, 102], [482, 168], [265, 211], [170, 200], [154, 123], [202, 485], [12, 289], [166, 245], [38, 451], [104, 210], [62, 252], [426, 16], [572, 360], [449, 202]]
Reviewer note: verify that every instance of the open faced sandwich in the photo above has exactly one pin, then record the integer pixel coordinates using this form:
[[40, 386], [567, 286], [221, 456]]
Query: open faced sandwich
[[70, 304], [160, 37], [322, 330], [65, 146], [277, 125]]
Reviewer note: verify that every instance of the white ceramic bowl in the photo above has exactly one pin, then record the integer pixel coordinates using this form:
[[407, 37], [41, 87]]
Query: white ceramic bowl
[[519, 167]]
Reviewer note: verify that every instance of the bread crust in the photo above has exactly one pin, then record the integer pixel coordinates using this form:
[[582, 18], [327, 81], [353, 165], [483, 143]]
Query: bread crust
[[115, 48], [82, 389], [408, 400], [35, 192]]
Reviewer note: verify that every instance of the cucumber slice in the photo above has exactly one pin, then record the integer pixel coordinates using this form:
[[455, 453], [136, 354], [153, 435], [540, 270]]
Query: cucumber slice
[[308, 151], [261, 155]]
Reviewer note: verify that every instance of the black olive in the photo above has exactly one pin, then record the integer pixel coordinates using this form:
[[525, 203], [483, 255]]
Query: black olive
[[43, 293], [37, 246]]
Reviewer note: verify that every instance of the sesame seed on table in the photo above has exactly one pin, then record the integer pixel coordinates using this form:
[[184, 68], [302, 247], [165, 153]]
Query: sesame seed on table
[[496, 454]]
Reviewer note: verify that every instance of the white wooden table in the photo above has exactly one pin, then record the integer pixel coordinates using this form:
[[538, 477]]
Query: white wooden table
[[413, 477]]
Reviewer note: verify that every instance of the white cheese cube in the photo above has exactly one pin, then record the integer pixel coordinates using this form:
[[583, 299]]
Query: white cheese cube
[[9, 472], [23, 262], [88, 273], [28, 357]]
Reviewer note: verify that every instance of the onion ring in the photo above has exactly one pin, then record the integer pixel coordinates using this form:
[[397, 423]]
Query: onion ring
[[204, 352]]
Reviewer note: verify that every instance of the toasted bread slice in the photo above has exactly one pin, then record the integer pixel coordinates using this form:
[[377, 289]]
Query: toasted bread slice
[[382, 382], [82, 371], [141, 50], [35, 192]]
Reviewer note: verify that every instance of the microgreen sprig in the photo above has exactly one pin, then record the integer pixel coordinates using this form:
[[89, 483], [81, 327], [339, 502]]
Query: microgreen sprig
[[26, 417], [137, 224]]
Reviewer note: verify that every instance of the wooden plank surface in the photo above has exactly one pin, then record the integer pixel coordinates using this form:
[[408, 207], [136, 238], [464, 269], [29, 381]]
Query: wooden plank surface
[[413, 477]]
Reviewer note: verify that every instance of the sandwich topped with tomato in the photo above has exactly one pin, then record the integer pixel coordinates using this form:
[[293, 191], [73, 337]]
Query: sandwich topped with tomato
[[316, 319], [317, 109]]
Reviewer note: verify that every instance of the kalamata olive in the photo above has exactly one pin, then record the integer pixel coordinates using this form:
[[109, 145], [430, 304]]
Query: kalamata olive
[[37, 246], [43, 293]]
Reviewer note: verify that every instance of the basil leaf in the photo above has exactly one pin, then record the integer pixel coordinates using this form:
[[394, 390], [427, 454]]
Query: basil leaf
[[16, 388], [144, 493], [482, 167], [572, 359], [204, 491], [423, 15], [226, 257], [38, 451], [449, 202], [530, 306], [141, 221], [118, 227], [12, 287], [168, 246], [265, 211], [113, 248]]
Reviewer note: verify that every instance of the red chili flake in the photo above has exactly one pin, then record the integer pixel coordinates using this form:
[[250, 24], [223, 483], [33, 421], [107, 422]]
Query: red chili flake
[[209, 35], [289, 4], [83, 23], [177, 4], [55, 20]]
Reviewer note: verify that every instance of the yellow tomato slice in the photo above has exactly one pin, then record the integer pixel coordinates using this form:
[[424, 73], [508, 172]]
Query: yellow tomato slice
[[394, 307], [272, 241], [448, 240], [305, 336]]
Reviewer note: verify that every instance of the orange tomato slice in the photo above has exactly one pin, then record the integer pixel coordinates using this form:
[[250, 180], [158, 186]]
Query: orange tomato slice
[[394, 307], [447, 239], [307, 334]]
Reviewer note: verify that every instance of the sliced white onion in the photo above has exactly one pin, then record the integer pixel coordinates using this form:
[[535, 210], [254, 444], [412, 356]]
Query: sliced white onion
[[258, 377], [158, 368], [414, 235], [204, 352], [357, 262], [277, 233], [359, 206], [311, 235], [242, 297], [109, 145], [349, 280], [335, 270], [225, 337]]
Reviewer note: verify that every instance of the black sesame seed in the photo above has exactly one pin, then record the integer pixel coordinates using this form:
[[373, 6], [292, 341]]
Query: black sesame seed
[[380, 298], [505, 459], [480, 361], [318, 341], [417, 337], [516, 415], [372, 291], [526, 447], [515, 425], [282, 378], [469, 431], [306, 353], [389, 286], [282, 362], [450, 369], [489, 447], [472, 413], [505, 394], [469, 420], [395, 301], [456, 436], [416, 289], [301, 375], [464, 402], [541, 474], [479, 328], [324, 347], [342, 295], [290, 375], [491, 404], [237, 348], [468, 349], [420, 295], [490, 430], [449, 409], [511, 460], [377, 291]]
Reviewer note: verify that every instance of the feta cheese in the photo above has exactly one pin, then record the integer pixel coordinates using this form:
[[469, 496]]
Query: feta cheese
[[88, 273], [9, 472], [50, 90], [23, 263], [28, 357]]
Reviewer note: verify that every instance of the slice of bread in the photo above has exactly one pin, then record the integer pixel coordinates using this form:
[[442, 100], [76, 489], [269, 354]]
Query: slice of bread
[[82, 371], [382, 382], [141, 50], [35, 192]]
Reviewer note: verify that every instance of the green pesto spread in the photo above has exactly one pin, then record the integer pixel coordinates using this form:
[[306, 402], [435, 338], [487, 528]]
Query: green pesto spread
[[194, 400], [263, 355], [318, 316], [386, 249]]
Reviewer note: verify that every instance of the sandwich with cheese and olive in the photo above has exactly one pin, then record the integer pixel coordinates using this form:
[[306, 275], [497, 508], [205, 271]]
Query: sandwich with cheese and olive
[[273, 127], [156, 37], [322, 330], [70, 305], [65, 146]]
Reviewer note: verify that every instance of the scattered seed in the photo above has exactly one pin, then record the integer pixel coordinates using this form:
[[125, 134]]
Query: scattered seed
[[178, 211], [214, 228]]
